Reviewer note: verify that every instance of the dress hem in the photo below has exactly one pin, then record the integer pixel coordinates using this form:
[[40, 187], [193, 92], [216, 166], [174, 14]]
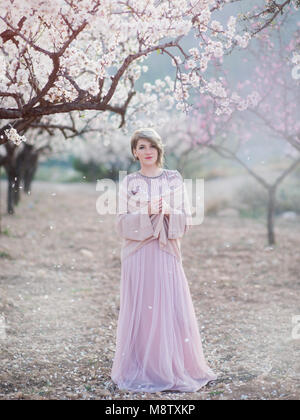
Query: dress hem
[[166, 388]]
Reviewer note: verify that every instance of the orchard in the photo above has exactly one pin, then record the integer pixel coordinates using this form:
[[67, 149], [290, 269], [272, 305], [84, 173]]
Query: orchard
[[219, 80]]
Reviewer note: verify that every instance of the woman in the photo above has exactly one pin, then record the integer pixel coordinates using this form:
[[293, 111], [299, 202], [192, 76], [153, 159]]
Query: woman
[[158, 342]]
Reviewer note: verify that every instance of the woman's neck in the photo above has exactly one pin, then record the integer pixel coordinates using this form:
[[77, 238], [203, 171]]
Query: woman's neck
[[151, 171]]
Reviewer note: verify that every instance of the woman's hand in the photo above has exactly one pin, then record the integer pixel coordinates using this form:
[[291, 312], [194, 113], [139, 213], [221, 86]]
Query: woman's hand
[[154, 206], [157, 205]]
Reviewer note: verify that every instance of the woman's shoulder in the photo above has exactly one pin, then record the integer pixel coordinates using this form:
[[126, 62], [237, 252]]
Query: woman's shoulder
[[174, 173]]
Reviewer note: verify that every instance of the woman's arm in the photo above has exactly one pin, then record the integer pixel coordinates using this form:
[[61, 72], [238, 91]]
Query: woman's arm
[[179, 215], [134, 225]]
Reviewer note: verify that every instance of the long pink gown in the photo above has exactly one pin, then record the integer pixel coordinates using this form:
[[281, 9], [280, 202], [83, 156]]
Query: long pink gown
[[158, 344]]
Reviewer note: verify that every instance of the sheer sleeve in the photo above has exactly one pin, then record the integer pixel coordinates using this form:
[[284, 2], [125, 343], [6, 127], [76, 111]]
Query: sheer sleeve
[[131, 222], [180, 215]]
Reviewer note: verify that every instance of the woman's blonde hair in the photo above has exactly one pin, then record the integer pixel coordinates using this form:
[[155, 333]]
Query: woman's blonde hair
[[154, 138]]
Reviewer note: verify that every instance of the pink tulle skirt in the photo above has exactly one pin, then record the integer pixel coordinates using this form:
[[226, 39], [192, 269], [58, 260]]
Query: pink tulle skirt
[[158, 341]]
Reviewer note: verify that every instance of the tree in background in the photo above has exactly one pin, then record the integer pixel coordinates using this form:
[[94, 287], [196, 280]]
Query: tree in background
[[71, 58], [81, 56], [274, 118]]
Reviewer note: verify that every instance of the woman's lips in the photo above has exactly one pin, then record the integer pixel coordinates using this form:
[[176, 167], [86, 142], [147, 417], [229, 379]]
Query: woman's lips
[[150, 157]]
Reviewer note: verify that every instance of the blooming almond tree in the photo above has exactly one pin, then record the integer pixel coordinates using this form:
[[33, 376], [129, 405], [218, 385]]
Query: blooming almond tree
[[274, 117], [261, 17], [93, 136], [277, 111], [227, 137], [86, 55]]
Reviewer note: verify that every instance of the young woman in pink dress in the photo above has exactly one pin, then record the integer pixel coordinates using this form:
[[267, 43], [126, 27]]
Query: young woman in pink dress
[[158, 346]]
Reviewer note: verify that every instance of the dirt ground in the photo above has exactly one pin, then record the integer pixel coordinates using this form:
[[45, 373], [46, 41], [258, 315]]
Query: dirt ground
[[59, 302]]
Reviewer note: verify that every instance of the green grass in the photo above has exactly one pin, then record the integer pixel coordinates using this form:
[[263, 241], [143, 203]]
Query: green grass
[[57, 175], [255, 213], [5, 255], [216, 393], [5, 231]]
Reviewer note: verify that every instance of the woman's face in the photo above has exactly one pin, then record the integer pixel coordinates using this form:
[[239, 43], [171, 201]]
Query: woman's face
[[146, 152]]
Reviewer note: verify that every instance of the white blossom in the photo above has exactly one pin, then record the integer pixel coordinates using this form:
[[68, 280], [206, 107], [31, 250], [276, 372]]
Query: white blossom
[[14, 136]]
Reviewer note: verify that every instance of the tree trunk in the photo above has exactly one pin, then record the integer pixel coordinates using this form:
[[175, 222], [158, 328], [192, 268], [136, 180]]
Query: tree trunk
[[16, 190], [270, 215], [10, 193], [29, 173], [0, 200]]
